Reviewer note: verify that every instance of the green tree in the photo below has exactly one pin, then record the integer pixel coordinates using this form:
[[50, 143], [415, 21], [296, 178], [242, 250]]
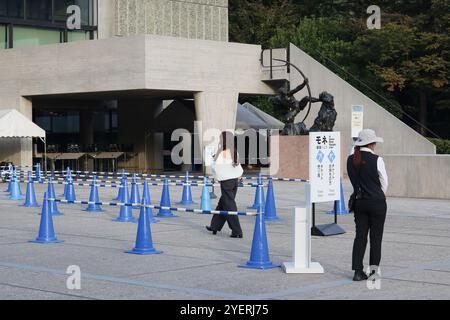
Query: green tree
[[256, 21]]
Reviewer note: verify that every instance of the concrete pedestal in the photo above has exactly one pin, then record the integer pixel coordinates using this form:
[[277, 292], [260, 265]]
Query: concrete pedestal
[[289, 157]]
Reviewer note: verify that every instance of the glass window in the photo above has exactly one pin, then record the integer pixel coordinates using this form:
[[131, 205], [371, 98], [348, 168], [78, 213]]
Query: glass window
[[61, 6], [28, 37], [67, 122], [3, 36], [45, 122], [73, 36], [11, 8], [39, 10]]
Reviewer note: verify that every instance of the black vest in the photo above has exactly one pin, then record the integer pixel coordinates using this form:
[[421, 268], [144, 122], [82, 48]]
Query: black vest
[[367, 178]]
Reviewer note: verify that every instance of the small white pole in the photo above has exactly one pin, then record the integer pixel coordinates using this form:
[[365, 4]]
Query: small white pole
[[302, 241]]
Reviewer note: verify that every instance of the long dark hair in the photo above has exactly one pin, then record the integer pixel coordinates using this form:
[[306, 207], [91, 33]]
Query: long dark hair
[[227, 138], [357, 158]]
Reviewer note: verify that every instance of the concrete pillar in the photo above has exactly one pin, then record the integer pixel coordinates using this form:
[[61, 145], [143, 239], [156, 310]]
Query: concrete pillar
[[106, 18], [215, 111], [17, 150]]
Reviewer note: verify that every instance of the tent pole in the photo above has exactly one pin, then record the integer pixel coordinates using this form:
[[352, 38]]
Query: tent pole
[[45, 155]]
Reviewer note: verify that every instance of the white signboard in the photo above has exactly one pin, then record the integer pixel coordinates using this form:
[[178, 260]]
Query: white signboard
[[210, 152], [324, 166], [357, 120]]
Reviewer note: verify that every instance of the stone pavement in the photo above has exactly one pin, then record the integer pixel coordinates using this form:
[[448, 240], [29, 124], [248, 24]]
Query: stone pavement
[[196, 265]]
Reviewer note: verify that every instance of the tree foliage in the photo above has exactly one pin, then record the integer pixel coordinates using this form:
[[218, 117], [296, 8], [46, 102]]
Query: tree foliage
[[405, 63]]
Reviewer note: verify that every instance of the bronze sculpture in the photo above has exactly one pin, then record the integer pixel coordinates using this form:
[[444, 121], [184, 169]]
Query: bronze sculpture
[[286, 100], [325, 120]]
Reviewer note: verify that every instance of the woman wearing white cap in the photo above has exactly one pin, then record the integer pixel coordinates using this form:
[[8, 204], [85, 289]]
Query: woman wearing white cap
[[368, 176]]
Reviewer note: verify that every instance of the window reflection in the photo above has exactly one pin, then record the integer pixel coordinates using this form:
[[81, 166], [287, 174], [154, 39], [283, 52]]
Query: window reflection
[[11, 8], [3, 37], [61, 6], [45, 10], [39, 10]]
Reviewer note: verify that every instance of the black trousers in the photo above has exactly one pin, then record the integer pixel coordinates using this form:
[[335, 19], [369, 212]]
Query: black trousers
[[370, 216], [227, 203]]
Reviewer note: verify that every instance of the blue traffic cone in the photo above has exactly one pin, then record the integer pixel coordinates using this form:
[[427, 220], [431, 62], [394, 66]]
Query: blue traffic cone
[[10, 175], [16, 194], [8, 189], [70, 190], [270, 211], [126, 211], [30, 197], [123, 181], [93, 197], [46, 230], [146, 197], [53, 208], [135, 195], [66, 180], [206, 196], [187, 192], [339, 205], [165, 202], [257, 194], [144, 242], [259, 256], [38, 173]]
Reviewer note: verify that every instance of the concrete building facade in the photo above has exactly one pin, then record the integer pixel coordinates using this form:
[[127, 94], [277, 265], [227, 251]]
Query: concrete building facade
[[193, 19], [144, 56]]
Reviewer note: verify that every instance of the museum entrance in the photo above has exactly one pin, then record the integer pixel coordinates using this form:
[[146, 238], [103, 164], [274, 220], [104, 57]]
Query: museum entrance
[[107, 132]]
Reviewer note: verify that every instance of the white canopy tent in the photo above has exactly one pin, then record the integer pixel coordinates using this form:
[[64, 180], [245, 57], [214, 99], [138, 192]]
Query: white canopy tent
[[14, 124]]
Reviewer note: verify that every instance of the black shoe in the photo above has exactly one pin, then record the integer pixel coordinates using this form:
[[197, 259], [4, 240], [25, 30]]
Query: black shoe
[[239, 236], [211, 230], [360, 276]]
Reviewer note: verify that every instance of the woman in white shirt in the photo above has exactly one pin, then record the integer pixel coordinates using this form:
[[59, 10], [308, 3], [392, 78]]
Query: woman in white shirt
[[227, 170]]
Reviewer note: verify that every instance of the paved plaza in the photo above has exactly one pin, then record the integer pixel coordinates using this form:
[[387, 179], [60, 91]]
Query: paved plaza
[[196, 265]]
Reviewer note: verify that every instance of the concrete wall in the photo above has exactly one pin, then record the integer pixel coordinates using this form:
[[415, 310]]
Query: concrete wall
[[139, 62], [399, 138], [130, 63], [201, 65], [193, 19], [418, 176]]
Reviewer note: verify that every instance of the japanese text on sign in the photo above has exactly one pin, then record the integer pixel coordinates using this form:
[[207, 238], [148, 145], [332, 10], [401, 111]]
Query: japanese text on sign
[[324, 166]]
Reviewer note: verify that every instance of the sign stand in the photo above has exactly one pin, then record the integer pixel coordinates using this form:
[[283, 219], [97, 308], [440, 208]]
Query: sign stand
[[325, 230], [302, 242]]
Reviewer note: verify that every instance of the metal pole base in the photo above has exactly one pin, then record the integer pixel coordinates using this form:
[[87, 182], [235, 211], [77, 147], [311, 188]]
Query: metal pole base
[[314, 268], [327, 230]]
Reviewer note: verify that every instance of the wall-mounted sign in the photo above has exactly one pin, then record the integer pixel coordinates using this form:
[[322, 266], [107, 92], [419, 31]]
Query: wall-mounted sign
[[324, 166], [357, 120]]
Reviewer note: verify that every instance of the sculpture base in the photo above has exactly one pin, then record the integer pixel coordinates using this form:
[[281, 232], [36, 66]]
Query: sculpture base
[[289, 157]]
